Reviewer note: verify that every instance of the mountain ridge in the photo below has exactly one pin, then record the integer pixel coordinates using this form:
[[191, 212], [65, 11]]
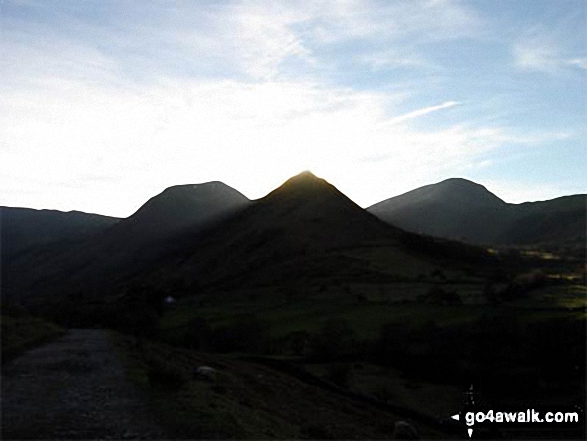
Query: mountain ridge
[[471, 213], [137, 239]]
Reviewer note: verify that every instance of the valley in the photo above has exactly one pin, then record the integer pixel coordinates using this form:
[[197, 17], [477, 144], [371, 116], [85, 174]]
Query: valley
[[305, 287]]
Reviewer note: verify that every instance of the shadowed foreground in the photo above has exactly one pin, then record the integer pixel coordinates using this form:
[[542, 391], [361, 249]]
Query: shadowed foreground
[[74, 388]]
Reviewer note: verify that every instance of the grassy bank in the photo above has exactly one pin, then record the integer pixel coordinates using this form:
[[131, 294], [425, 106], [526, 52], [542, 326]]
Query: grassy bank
[[245, 400], [25, 332]]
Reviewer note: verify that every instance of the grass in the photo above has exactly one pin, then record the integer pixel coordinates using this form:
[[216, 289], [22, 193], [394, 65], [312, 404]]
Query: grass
[[557, 299], [25, 332], [366, 307], [247, 400], [388, 385]]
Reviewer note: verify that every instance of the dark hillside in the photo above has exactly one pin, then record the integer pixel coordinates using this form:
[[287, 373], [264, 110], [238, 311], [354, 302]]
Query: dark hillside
[[560, 221], [454, 208], [23, 228], [305, 230], [463, 210], [180, 207], [89, 264]]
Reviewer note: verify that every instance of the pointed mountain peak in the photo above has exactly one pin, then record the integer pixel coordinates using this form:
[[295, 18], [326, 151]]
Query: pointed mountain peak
[[304, 178], [305, 186]]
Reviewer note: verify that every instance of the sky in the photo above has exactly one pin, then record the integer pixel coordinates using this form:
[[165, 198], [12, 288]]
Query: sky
[[105, 103]]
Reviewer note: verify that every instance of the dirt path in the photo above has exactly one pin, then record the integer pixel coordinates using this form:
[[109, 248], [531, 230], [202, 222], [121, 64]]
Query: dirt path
[[73, 388]]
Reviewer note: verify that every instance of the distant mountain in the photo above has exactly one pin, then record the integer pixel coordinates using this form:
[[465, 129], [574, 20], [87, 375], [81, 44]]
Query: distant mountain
[[128, 243], [463, 210], [23, 228], [560, 221]]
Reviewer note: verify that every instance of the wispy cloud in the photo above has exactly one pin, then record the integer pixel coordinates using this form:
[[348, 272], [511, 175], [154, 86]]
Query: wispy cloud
[[178, 132], [150, 94], [542, 52], [421, 112]]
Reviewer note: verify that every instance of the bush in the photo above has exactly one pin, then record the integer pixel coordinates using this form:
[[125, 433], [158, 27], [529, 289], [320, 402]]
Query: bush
[[339, 373], [163, 374], [335, 341], [197, 334], [392, 344], [438, 296], [248, 335], [297, 342]]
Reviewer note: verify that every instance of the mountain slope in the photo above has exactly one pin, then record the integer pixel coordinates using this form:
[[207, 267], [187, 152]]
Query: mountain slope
[[557, 221], [464, 210], [454, 208], [183, 206], [305, 230], [96, 261], [23, 228]]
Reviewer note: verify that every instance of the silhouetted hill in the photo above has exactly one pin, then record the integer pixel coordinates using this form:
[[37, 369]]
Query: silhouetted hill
[[560, 221], [463, 210], [23, 228], [98, 260], [305, 231], [183, 206]]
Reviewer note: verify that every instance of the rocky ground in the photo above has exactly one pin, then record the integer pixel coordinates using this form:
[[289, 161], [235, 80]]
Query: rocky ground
[[73, 388]]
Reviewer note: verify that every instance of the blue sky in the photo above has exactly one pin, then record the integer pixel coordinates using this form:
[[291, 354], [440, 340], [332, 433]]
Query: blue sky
[[105, 103]]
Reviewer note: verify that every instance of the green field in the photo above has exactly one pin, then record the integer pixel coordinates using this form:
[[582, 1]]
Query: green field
[[24, 332]]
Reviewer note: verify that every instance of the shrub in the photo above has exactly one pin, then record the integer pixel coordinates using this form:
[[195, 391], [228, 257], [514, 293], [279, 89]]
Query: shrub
[[164, 374], [339, 373], [438, 296], [248, 335], [197, 334], [334, 342]]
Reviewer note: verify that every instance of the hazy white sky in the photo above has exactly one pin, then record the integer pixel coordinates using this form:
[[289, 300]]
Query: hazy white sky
[[103, 104]]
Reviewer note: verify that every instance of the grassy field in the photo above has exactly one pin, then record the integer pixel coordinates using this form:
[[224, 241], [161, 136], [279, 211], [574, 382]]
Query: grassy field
[[390, 386], [24, 332], [246, 400], [367, 307]]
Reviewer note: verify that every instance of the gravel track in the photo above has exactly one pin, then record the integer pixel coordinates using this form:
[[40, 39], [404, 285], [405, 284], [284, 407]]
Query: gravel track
[[73, 388]]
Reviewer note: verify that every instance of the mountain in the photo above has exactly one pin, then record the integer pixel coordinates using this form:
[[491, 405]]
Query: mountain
[[125, 245], [305, 231], [463, 210], [175, 209], [24, 228], [182, 206], [559, 221]]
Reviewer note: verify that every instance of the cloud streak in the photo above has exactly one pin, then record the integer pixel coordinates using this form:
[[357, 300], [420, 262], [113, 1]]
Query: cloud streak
[[541, 52], [421, 112]]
